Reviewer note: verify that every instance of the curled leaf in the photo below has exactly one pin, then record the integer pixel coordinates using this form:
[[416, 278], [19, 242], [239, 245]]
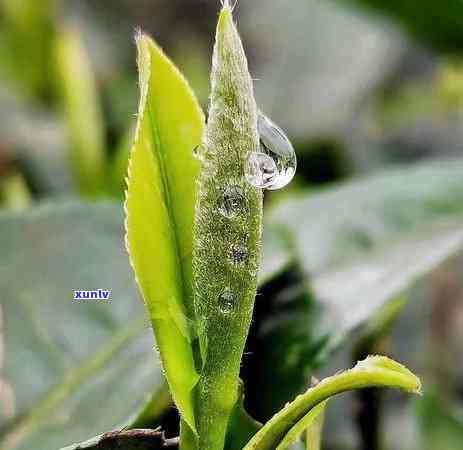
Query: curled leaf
[[374, 371]]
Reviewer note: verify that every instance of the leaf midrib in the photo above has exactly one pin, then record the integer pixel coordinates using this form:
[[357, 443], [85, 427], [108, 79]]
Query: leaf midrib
[[159, 155]]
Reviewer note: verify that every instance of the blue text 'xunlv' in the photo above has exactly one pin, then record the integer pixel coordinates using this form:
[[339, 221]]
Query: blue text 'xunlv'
[[99, 294]]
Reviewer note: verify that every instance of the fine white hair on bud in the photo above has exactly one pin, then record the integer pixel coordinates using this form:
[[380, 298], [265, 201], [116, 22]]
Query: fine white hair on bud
[[227, 233]]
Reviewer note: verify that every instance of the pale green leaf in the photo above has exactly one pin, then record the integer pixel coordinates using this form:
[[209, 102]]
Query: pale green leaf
[[160, 209], [82, 110], [375, 371], [353, 294], [359, 244], [348, 221]]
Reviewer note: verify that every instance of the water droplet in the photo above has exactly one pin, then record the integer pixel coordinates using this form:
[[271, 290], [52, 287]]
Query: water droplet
[[231, 202], [238, 254], [226, 302], [261, 170], [196, 151], [274, 147]]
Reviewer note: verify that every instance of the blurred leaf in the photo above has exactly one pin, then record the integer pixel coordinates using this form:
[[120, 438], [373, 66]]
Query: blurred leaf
[[436, 24], [354, 294], [277, 254], [126, 440], [440, 423], [160, 210], [119, 165], [191, 55], [27, 30], [14, 193], [360, 244], [315, 63], [241, 428], [336, 226], [378, 371], [70, 369], [285, 329], [82, 111]]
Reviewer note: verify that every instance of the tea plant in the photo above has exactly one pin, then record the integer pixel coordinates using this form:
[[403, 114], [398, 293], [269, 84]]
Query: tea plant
[[335, 262], [194, 225]]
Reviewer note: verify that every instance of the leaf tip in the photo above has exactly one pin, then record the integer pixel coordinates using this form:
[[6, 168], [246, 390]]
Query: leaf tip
[[411, 383]]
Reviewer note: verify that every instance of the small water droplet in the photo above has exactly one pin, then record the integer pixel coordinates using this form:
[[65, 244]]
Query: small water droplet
[[231, 202], [238, 253], [196, 152], [226, 302], [274, 146]]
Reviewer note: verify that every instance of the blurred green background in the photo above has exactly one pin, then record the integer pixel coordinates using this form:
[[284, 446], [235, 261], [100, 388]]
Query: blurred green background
[[358, 85]]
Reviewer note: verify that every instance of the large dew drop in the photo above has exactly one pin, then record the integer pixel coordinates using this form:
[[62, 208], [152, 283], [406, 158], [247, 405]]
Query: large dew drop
[[274, 166]]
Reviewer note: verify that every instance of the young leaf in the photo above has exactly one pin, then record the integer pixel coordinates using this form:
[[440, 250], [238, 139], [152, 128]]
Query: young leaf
[[90, 363], [227, 234], [311, 423], [83, 114], [160, 209], [374, 371]]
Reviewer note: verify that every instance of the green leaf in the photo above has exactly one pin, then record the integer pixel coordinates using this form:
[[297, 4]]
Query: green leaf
[[227, 234], [127, 440], [70, 369], [377, 371], [160, 209], [82, 111], [312, 424]]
